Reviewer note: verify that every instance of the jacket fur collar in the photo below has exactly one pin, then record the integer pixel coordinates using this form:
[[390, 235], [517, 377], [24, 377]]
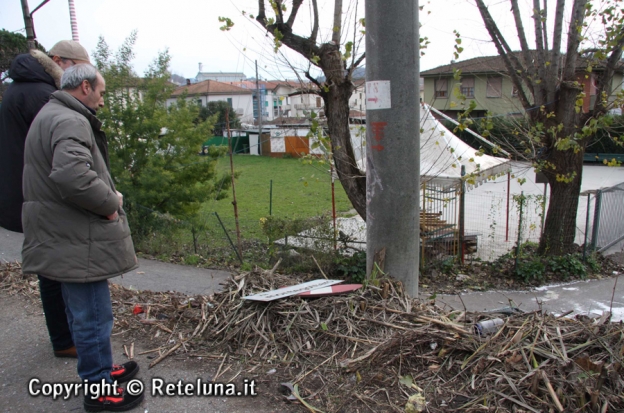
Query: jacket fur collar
[[49, 66]]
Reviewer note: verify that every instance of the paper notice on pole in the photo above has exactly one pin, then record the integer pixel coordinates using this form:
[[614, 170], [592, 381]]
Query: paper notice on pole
[[292, 290], [378, 95]]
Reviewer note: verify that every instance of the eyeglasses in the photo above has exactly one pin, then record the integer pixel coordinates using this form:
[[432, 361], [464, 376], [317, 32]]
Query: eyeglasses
[[66, 59]]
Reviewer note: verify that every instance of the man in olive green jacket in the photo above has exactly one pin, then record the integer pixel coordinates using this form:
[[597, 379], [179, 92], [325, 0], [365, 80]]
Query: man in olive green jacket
[[75, 229]]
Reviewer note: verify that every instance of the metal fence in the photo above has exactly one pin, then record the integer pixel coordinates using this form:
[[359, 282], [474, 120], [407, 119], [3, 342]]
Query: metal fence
[[608, 220], [495, 221], [492, 223]]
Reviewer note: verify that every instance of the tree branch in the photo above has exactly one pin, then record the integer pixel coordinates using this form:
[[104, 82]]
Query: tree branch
[[507, 55], [293, 14], [574, 39], [279, 16], [544, 25], [553, 69], [357, 62], [337, 28], [605, 79], [315, 28], [539, 95], [261, 17], [537, 20], [305, 46], [524, 45], [316, 82]]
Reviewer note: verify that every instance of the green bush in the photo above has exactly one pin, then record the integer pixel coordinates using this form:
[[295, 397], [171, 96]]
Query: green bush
[[592, 263], [531, 270], [351, 267], [566, 265]]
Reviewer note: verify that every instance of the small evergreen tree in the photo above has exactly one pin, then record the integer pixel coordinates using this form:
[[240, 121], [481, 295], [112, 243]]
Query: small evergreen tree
[[12, 44], [219, 108], [154, 148]]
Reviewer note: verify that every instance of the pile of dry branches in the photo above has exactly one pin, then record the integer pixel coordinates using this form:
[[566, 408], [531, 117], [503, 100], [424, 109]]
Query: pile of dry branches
[[380, 350]]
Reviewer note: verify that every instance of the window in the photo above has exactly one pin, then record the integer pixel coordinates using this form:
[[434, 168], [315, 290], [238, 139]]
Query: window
[[199, 102], [441, 88], [318, 102], [229, 101], [467, 87], [494, 87]]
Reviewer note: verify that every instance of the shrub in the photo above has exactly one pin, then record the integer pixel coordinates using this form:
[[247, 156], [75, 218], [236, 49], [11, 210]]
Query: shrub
[[351, 267], [566, 265], [531, 270]]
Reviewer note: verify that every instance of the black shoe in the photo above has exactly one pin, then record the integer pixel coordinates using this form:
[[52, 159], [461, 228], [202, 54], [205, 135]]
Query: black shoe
[[120, 403], [124, 372], [68, 352]]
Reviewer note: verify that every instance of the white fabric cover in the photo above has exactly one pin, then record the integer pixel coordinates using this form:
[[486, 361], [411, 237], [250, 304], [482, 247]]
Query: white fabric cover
[[442, 155]]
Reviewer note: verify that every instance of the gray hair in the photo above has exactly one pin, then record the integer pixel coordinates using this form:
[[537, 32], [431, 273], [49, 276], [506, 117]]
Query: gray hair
[[75, 75]]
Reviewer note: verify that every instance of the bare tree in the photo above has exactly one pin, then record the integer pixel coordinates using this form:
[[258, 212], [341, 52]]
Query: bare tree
[[550, 87], [337, 88]]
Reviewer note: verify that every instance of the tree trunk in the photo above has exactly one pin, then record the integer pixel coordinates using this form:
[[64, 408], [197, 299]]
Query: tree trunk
[[353, 182], [336, 101], [560, 225]]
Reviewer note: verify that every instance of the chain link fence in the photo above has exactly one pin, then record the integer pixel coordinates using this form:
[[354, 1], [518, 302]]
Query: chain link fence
[[495, 222], [492, 223], [607, 228]]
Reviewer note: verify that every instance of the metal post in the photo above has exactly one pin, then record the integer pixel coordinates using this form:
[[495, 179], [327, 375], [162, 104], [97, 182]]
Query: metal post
[[543, 210], [28, 23], [271, 198], [73, 21], [259, 111], [228, 237], [393, 139], [331, 173], [508, 195], [234, 202], [462, 216], [597, 206], [586, 226], [519, 232], [423, 238]]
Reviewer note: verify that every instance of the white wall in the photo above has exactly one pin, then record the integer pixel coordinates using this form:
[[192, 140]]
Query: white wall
[[242, 104], [278, 144], [357, 101]]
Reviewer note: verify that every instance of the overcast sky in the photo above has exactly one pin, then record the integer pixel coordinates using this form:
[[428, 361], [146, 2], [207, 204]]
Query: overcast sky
[[190, 30]]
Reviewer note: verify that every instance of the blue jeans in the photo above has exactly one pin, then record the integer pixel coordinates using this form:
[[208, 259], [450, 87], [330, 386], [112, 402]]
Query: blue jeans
[[90, 317], [54, 310]]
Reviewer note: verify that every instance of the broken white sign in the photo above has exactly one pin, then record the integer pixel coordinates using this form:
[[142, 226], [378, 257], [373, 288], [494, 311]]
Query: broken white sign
[[292, 290]]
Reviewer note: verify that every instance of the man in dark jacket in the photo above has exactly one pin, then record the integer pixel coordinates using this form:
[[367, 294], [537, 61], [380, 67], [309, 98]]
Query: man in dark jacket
[[35, 77], [75, 229]]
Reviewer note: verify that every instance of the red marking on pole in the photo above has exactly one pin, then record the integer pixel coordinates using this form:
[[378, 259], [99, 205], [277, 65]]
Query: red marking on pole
[[378, 147], [378, 130]]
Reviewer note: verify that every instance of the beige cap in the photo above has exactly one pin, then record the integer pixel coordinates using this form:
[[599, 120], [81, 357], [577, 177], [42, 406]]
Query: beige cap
[[69, 49]]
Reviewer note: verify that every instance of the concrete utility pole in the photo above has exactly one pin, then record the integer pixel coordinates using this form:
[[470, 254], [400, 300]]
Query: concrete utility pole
[[393, 139]]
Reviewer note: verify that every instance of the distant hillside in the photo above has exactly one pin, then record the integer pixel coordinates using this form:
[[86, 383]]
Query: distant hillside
[[178, 80]]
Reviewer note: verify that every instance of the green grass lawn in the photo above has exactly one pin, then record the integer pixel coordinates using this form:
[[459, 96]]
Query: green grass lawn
[[299, 191]]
